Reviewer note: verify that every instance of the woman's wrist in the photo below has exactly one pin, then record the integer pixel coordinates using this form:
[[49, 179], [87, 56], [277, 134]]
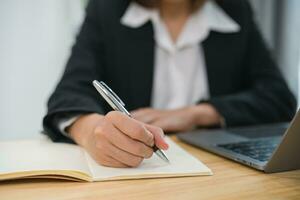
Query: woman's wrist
[[205, 115]]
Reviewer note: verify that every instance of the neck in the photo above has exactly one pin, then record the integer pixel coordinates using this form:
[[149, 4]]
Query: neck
[[171, 9], [175, 14]]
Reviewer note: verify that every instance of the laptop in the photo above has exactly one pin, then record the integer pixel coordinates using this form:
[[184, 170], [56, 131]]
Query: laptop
[[269, 148]]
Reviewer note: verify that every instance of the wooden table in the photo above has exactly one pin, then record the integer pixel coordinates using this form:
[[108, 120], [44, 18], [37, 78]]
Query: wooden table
[[230, 181]]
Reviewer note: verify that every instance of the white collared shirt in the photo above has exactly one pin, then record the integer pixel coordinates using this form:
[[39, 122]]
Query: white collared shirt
[[180, 77]]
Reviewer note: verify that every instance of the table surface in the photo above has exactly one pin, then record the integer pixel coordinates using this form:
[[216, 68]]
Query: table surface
[[230, 181]]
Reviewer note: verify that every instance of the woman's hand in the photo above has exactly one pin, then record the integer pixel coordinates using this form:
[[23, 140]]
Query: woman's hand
[[179, 120], [116, 140]]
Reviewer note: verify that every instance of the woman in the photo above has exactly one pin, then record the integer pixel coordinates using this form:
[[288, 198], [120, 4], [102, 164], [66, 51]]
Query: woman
[[177, 65]]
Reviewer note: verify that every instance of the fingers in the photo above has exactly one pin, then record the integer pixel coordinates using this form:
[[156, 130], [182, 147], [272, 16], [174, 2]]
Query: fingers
[[138, 131], [120, 141], [122, 146], [116, 155], [126, 143], [158, 136], [125, 157], [110, 162], [131, 127]]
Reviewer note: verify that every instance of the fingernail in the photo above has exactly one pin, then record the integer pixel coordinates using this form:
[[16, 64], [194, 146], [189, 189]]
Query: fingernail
[[166, 146]]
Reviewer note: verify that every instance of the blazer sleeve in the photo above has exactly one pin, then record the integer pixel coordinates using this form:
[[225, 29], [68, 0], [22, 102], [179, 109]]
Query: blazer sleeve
[[75, 94], [267, 98]]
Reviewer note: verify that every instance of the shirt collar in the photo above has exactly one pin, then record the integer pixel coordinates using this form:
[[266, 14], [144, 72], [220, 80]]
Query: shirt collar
[[208, 18], [137, 15]]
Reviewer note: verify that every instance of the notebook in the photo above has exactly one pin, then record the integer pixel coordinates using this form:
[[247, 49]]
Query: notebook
[[45, 159]]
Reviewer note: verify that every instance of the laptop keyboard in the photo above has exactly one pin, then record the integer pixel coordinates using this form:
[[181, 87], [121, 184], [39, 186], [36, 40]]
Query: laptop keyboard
[[260, 131], [261, 149]]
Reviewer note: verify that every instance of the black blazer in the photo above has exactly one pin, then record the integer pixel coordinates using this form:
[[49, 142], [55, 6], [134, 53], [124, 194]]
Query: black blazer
[[245, 84]]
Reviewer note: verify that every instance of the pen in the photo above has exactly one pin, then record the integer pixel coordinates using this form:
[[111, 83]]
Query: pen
[[117, 104]]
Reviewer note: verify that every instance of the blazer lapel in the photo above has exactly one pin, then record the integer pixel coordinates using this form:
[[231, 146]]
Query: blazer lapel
[[137, 47], [219, 51], [211, 62]]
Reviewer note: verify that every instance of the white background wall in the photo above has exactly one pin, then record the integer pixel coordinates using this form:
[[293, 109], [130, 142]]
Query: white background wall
[[35, 39]]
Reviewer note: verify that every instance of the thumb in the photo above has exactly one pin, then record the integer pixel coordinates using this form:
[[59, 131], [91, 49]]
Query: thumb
[[158, 136]]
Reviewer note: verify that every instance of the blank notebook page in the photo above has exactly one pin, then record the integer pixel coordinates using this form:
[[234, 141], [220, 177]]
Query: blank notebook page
[[41, 155], [181, 164]]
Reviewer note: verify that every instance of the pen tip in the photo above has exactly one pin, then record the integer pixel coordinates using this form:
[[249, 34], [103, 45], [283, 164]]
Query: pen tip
[[162, 155]]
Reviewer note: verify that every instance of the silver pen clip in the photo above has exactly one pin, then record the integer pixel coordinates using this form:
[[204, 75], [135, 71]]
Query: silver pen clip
[[112, 98]]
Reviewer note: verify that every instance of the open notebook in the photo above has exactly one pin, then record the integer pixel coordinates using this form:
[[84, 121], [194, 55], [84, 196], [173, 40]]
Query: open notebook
[[45, 159]]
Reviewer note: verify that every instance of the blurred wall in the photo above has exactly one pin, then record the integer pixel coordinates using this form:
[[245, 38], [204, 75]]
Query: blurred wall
[[35, 40], [279, 22]]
